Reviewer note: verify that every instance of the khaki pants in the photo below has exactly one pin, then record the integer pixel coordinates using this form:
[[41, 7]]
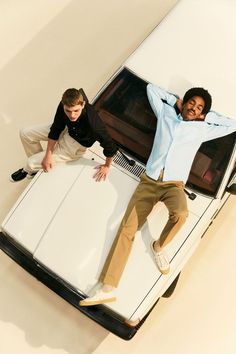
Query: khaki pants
[[146, 195], [66, 148]]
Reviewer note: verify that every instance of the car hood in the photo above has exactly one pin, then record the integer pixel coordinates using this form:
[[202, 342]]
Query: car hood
[[68, 222]]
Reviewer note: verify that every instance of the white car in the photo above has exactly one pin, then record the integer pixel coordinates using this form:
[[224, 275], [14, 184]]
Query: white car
[[63, 225]]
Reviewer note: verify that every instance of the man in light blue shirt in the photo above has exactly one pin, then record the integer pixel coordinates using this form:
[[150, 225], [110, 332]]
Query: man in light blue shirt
[[178, 137], [177, 140]]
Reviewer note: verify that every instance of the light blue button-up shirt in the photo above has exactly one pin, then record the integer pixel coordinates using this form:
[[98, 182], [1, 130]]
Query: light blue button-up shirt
[[176, 141]]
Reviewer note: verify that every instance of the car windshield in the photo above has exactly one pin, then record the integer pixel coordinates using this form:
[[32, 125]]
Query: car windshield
[[125, 109]]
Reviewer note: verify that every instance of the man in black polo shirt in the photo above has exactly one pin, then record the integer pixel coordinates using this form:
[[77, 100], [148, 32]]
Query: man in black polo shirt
[[76, 126]]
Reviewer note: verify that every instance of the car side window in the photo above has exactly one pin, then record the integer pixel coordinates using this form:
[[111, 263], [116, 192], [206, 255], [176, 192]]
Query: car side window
[[210, 164]]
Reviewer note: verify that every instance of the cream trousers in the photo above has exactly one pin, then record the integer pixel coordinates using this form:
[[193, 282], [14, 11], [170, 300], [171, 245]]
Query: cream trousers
[[66, 148]]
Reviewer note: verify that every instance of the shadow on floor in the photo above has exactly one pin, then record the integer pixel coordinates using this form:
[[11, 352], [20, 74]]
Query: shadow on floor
[[43, 317]]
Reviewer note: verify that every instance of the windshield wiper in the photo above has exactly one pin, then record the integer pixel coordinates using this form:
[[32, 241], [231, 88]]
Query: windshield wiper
[[191, 196], [130, 161]]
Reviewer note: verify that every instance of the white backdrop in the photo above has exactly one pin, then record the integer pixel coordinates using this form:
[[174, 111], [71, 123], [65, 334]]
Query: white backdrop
[[49, 45]]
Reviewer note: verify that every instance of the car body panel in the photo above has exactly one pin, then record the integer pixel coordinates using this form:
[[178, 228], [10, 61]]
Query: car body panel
[[75, 226], [38, 206], [84, 225]]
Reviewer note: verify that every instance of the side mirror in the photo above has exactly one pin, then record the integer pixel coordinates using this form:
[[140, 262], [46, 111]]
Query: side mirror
[[231, 189]]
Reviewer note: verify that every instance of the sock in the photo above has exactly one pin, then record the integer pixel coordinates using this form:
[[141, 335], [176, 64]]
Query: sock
[[107, 288]]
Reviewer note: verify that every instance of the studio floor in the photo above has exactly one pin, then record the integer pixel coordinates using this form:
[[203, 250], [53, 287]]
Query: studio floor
[[47, 46]]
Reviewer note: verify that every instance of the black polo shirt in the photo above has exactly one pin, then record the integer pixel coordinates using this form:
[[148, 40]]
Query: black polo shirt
[[86, 130]]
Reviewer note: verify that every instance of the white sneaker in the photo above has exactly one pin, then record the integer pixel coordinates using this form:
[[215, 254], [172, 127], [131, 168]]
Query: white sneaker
[[100, 297], [161, 260]]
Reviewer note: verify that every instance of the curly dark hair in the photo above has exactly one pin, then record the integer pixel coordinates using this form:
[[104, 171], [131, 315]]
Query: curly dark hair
[[201, 92]]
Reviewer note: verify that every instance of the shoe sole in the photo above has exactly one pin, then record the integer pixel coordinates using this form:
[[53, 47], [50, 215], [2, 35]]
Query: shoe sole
[[164, 272], [98, 302], [12, 180]]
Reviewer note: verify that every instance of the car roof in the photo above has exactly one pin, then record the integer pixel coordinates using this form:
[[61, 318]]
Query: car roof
[[176, 60]]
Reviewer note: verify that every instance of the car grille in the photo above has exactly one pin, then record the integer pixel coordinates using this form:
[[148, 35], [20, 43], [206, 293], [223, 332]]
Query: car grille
[[136, 170]]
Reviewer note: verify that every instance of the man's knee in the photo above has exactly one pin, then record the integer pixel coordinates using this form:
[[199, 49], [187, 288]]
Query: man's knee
[[24, 133], [179, 216]]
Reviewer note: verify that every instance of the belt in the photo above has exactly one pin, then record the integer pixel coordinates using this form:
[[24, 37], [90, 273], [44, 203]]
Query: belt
[[160, 178]]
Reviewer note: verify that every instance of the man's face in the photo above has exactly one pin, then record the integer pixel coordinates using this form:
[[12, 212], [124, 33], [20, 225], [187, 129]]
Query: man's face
[[74, 112], [193, 108]]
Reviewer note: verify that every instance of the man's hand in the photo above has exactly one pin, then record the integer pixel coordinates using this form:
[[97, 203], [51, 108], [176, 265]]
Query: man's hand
[[47, 163], [101, 174], [47, 160]]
